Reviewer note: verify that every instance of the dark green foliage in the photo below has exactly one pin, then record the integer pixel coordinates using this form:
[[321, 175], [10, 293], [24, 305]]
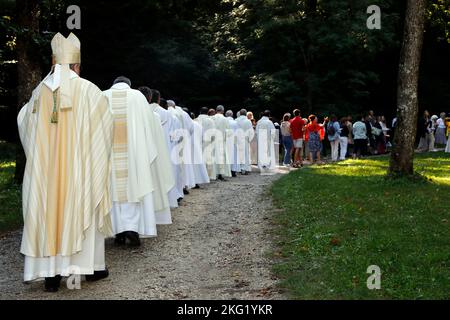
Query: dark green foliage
[[277, 54], [10, 193]]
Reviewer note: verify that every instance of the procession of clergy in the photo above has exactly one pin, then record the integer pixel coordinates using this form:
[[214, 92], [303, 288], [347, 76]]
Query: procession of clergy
[[114, 163]]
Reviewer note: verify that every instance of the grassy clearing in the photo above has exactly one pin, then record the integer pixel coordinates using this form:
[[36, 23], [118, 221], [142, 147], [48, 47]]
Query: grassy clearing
[[340, 219], [10, 193]]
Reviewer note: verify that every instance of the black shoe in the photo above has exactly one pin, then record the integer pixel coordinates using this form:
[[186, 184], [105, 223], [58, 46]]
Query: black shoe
[[233, 174], [245, 173], [186, 192], [179, 200], [197, 186], [221, 178], [98, 275], [133, 237], [52, 284], [120, 239]]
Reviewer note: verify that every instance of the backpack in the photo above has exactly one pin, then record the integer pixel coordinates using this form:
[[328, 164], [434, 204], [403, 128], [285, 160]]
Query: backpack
[[376, 131], [331, 129]]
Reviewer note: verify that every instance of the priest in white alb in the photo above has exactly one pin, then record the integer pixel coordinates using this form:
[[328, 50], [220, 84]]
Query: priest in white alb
[[200, 171], [184, 147], [208, 130], [266, 136], [232, 143], [141, 176], [223, 160], [66, 131], [170, 125], [247, 134]]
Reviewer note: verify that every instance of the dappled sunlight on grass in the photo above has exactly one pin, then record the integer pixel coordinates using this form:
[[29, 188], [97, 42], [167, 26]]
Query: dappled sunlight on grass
[[351, 168], [437, 169], [340, 218], [440, 180], [7, 165]]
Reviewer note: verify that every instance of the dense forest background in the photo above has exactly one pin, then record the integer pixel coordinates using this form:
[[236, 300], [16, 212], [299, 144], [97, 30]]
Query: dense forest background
[[260, 54]]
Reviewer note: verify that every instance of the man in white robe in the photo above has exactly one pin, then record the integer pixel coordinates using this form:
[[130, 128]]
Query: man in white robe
[[222, 157], [169, 124], [200, 171], [175, 128], [141, 176], [208, 129], [66, 197], [232, 143], [266, 135], [184, 147], [244, 142]]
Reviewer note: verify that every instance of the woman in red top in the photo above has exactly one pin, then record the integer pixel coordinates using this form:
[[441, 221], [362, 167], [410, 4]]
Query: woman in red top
[[298, 131], [315, 133]]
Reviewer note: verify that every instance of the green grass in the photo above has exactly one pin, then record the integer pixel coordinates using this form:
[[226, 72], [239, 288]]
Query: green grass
[[10, 193], [338, 220]]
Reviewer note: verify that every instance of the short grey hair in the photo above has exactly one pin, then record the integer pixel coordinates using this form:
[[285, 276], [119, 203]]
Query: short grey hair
[[229, 113], [171, 103], [122, 79], [243, 112], [220, 109]]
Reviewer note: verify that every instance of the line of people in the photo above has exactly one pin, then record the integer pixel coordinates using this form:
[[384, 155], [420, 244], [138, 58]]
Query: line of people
[[310, 139], [434, 132], [116, 163], [306, 138]]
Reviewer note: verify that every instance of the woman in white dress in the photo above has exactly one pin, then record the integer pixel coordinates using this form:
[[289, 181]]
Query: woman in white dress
[[441, 130]]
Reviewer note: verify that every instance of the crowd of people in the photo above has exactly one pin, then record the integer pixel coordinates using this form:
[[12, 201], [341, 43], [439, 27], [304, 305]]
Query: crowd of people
[[434, 132], [306, 140]]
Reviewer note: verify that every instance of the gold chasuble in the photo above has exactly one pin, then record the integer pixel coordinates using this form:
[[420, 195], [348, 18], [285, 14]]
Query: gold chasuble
[[66, 130], [120, 144]]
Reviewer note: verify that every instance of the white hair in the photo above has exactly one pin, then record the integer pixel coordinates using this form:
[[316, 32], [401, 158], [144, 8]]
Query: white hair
[[220, 109], [171, 103], [229, 114]]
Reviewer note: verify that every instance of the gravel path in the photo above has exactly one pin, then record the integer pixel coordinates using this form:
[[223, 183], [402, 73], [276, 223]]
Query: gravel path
[[217, 248]]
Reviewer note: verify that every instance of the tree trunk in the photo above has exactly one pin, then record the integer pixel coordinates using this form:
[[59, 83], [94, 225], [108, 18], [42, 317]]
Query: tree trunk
[[311, 12], [28, 67], [402, 157]]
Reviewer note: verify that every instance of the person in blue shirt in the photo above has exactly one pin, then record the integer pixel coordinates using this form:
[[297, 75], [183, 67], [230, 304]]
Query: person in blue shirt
[[334, 136]]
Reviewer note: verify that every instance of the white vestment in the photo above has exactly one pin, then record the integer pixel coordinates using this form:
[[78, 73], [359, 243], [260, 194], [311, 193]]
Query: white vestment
[[66, 176], [266, 135], [170, 124], [142, 176], [185, 147], [175, 128], [90, 259], [200, 171], [208, 128], [222, 156], [246, 127], [232, 143]]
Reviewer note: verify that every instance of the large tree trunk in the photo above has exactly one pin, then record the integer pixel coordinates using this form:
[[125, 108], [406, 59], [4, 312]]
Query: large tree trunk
[[403, 153], [311, 12], [28, 67]]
